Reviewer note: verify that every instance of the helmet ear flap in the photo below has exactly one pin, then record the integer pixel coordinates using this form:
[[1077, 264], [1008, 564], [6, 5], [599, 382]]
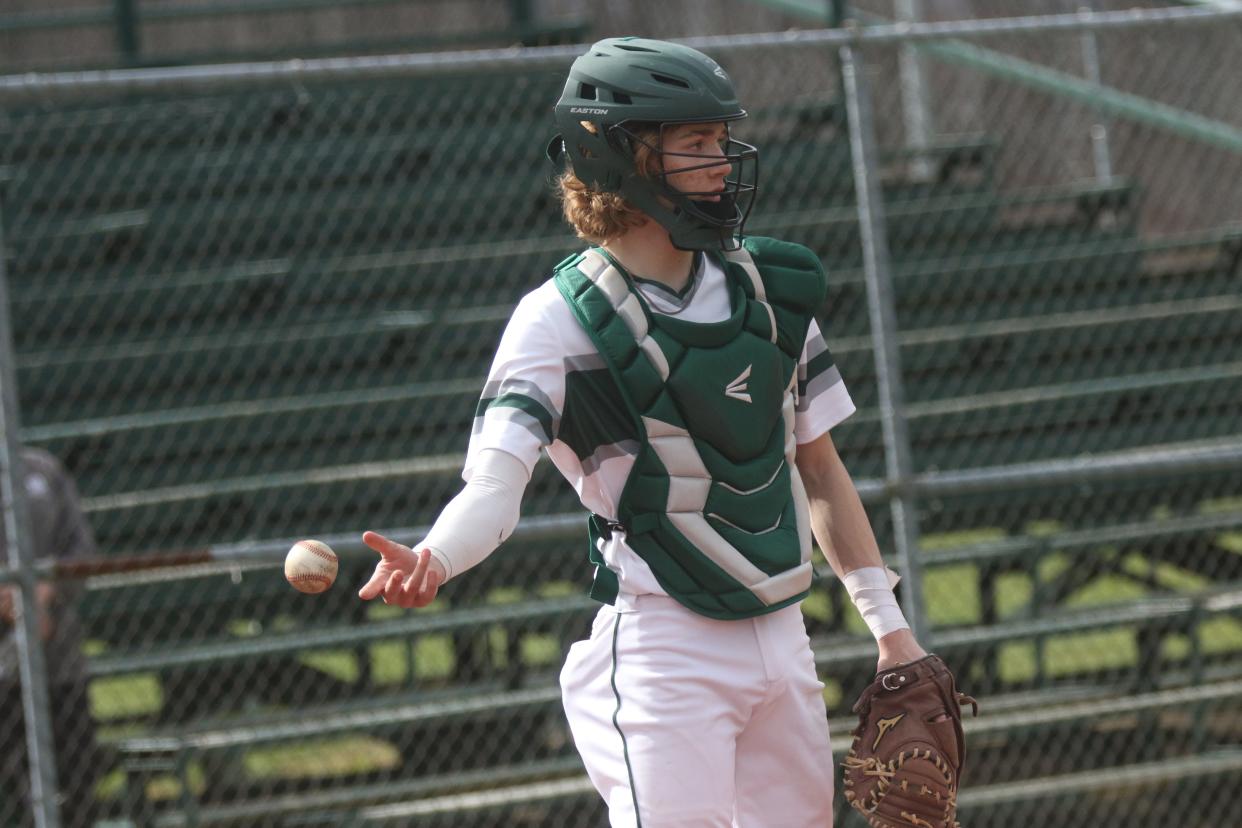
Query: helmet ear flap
[[556, 150], [586, 146]]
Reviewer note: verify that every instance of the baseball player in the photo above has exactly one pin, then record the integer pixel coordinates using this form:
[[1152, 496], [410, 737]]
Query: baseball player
[[59, 529], [675, 374]]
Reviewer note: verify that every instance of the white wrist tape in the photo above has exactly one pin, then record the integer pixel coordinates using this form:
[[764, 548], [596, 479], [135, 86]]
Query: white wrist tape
[[871, 590], [482, 514]]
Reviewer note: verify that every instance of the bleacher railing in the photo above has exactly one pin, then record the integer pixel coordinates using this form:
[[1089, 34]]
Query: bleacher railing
[[128, 33], [256, 302]]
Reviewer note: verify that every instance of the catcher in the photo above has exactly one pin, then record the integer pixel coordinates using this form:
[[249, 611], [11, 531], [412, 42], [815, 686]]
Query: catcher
[[675, 374]]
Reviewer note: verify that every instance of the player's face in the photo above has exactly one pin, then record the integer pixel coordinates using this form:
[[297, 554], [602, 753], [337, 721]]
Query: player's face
[[698, 151]]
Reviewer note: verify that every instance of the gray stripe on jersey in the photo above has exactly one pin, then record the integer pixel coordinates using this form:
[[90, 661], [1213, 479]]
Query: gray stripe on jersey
[[590, 465], [518, 394], [815, 347], [498, 388], [818, 385], [517, 416], [584, 362]]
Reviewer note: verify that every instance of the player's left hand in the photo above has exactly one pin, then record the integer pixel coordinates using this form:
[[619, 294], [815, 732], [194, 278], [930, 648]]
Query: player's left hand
[[898, 647], [906, 760], [403, 577]]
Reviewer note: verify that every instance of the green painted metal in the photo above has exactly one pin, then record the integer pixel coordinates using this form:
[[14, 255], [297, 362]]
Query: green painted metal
[[1103, 98], [58, 19], [128, 37], [126, 17]]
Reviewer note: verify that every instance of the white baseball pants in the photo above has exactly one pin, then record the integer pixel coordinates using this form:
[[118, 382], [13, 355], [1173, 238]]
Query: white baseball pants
[[687, 722]]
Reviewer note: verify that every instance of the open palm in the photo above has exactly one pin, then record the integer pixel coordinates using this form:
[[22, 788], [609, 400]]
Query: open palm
[[403, 577]]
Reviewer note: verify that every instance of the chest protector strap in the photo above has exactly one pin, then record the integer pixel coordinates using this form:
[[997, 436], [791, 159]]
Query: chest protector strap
[[713, 504]]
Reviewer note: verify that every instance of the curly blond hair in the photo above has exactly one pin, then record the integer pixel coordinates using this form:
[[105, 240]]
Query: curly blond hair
[[596, 216]]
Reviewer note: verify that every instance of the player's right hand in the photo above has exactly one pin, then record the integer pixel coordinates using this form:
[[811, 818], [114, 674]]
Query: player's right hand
[[403, 577]]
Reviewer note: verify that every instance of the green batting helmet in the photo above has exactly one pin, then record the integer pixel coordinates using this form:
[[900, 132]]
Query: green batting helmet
[[627, 81]]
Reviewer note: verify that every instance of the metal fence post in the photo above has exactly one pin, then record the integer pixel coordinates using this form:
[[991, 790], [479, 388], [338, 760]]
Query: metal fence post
[[33, 672], [128, 42], [915, 95], [883, 316], [1099, 130]]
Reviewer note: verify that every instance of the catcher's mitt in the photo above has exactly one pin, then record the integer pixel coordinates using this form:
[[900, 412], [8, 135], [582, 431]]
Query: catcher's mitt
[[903, 768]]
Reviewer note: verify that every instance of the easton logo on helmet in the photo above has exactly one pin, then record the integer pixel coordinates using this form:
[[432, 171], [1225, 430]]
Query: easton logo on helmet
[[588, 110]]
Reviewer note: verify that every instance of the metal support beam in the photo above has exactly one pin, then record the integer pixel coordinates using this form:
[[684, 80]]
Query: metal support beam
[[915, 95], [1099, 130], [128, 41], [1102, 98], [883, 316]]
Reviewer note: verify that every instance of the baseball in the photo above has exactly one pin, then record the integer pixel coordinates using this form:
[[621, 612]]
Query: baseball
[[310, 566]]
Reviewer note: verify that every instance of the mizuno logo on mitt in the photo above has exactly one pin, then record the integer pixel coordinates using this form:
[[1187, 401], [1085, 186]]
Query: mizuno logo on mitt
[[884, 726]]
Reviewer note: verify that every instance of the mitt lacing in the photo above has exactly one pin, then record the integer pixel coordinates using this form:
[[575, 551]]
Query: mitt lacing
[[869, 766]]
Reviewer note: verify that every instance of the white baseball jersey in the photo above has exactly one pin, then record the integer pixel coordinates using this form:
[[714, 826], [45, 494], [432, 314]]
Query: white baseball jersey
[[549, 389]]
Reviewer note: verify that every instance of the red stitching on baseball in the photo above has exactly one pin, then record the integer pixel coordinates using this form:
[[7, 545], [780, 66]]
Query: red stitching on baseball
[[318, 550]]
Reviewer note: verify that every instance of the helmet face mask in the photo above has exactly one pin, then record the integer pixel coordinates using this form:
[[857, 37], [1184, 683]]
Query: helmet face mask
[[623, 84], [724, 209]]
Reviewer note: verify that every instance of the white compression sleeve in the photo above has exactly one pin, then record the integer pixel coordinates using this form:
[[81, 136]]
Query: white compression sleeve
[[871, 590], [482, 514]]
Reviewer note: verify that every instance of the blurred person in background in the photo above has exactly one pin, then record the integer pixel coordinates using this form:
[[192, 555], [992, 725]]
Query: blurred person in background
[[59, 530]]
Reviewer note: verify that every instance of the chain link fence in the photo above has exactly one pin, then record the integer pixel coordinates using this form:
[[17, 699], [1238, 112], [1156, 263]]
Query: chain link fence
[[249, 310]]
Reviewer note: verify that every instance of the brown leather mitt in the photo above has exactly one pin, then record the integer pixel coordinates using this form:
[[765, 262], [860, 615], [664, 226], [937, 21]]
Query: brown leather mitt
[[903, 768]]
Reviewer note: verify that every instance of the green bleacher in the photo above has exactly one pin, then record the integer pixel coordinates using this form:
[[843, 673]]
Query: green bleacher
[[279, 320]]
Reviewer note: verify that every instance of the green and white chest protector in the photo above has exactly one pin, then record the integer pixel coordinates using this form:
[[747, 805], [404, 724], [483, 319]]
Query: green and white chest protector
[[714, 504]]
